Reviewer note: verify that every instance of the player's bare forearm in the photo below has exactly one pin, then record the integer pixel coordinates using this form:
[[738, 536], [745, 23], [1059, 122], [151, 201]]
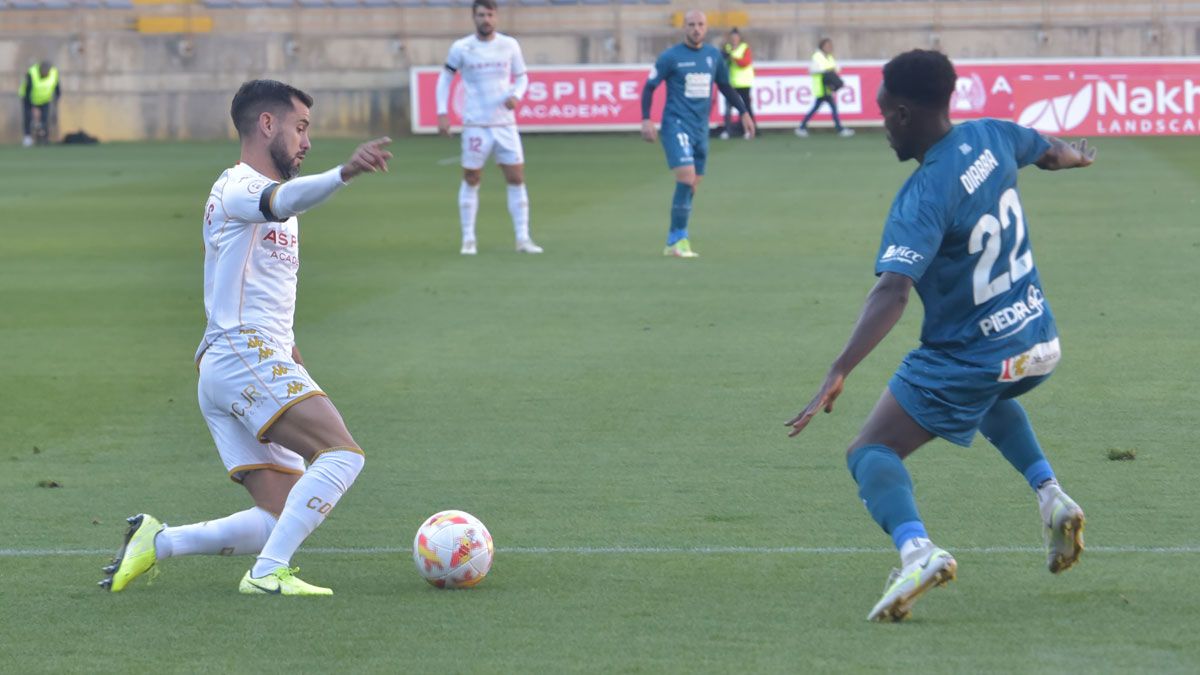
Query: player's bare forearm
[[296, 355], [1063, 155], [883, 308]]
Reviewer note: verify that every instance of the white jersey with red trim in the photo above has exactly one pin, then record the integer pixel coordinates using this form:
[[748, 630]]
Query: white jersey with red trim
[[487, 69], [250, 263]]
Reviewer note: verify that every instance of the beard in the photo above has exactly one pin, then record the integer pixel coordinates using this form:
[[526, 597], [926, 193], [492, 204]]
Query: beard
[[285, 164]]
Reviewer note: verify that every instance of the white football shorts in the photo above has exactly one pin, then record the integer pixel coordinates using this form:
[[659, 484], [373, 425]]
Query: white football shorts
[[247, 380], [478, 143]]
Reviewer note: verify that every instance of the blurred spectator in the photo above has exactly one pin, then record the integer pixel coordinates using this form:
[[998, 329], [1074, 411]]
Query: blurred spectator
[[826, 82], [741, 76], [39, 90]]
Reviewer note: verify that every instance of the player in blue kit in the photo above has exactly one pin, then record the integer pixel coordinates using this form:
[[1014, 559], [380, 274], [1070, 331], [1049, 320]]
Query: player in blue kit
[[689, 68], [957, 232]]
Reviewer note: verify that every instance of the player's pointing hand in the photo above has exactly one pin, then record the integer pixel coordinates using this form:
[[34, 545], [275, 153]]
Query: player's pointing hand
[[367, 158], [830, 390]]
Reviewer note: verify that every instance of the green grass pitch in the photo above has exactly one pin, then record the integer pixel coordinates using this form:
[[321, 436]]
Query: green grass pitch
[[621, 410]]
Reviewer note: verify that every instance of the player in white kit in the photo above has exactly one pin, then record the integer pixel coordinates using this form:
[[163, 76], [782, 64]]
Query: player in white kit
[[267, 416], [493, 74]]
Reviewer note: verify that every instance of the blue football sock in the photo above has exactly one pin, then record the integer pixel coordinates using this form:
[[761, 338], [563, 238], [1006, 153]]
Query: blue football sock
[[886, 488], [681, 208], [1007, 427]]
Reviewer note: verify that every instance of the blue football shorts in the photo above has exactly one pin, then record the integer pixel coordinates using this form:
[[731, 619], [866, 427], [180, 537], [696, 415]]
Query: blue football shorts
[[683, 147], [949, 397]]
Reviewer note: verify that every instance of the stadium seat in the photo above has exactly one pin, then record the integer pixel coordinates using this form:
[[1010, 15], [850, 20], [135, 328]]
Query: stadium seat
[[118, 4], [280, 3], [312, 3], [564, 2], [533, 3], [344, 4], [218, 4], [597, 2], [24, 4]]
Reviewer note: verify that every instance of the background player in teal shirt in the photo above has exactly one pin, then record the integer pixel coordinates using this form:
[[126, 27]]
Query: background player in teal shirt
[[958, 233], [690, 69]]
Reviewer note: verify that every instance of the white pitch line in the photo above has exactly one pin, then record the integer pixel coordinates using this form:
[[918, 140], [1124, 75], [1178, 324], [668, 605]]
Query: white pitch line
[[643, 550]]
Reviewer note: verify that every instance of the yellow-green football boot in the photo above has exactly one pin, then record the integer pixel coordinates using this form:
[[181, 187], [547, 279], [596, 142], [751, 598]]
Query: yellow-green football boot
[[282, 581], [680, 249], [137, 555], [934, 567]]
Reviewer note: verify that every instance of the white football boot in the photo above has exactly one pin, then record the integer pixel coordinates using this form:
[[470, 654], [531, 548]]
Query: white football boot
[[468, 247], [527, 246], [1063, 522], [932, 567]]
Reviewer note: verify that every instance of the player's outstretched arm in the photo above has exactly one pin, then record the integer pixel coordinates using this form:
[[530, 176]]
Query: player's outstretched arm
[[1063, 155], [281, 201], [884, 306]]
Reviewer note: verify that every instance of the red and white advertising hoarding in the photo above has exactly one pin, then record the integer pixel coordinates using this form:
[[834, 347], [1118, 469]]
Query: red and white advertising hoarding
[[1073, 97]]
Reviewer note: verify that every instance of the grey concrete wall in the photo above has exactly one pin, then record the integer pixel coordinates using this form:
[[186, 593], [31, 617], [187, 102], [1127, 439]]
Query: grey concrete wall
[[121, 85]]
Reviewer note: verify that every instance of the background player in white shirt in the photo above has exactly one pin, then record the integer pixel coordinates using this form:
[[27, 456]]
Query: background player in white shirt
[[266, 414], [493, 73]]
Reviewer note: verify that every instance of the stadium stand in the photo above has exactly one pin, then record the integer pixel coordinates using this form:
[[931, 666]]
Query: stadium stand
[[116, 46]]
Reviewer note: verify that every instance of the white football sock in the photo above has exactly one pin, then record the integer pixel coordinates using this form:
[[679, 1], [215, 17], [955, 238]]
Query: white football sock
[[518, 208], [468, 206], [238, 534], [311, 498]]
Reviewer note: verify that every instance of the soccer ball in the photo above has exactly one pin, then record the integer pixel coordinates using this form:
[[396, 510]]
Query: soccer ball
[[453, 549]]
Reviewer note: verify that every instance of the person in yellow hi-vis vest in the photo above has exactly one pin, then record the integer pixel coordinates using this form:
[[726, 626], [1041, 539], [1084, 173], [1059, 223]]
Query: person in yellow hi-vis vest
[[39, 89], [826, 82], [741, 76]]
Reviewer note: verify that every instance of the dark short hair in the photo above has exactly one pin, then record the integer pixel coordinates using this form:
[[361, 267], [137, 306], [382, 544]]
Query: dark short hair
[[258, 96], [822, 41], [923, 76], [486, 4], [734, 31]]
